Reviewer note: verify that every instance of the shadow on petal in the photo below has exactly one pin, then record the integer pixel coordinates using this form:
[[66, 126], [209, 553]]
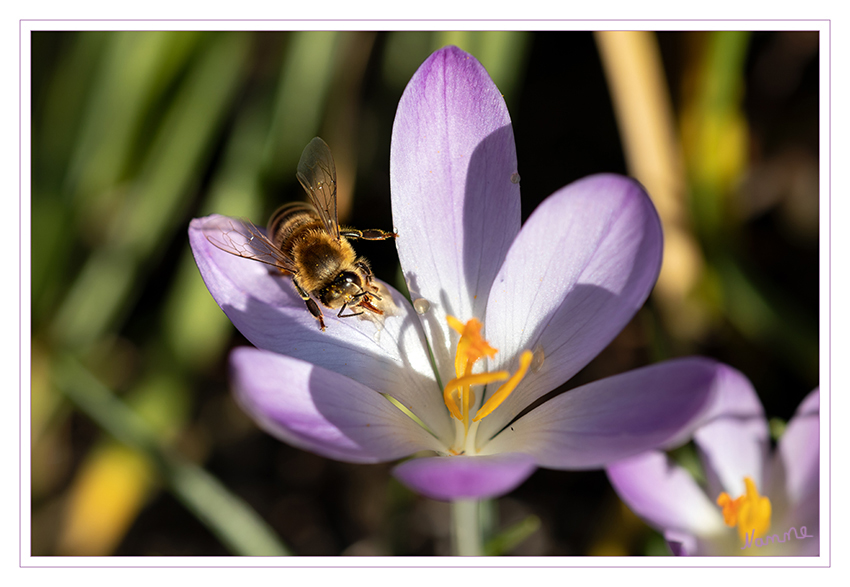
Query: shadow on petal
[[579, 270], [491, 213]]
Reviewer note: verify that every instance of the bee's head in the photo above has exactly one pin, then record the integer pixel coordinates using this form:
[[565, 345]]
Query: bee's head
[[342, 290]]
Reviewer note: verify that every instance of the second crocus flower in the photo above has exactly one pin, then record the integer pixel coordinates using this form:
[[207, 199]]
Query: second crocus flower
[[751, 502]]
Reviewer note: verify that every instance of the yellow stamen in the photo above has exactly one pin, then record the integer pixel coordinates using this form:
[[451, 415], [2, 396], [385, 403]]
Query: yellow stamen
[[461, 383], [462, 357], [455, 324], [465, 395], [749, 512], [505, 390], [451, 402], [471, 348]]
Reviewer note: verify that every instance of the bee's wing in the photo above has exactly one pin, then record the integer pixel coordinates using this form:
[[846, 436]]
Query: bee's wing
[[317, 173], [244, 239]]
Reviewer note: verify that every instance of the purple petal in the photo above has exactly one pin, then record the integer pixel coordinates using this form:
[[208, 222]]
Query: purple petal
[[732, 436], [390, 358], [465, 477], [321, 411], [613, 418], [681, 544], [455, 207], [664, 494], [583, 264], [796, 462]]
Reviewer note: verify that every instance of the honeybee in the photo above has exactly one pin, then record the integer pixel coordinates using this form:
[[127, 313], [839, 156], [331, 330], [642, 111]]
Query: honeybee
[[306, 241]]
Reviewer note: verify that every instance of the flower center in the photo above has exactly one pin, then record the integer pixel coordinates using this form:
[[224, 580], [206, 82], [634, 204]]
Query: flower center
[[749, 512], [458, 395]]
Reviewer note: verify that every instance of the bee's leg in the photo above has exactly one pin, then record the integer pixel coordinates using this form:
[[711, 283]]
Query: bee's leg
[[311, 304], [364, 300], [344, 307], [368, 275], [366, 303], [370, 234]]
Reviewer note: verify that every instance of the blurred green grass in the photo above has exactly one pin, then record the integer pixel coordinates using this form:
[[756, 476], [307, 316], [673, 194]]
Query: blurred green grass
[[135, 133]]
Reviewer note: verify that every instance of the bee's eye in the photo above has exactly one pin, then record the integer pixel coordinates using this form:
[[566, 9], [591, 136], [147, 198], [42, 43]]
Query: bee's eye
[[350, 278]]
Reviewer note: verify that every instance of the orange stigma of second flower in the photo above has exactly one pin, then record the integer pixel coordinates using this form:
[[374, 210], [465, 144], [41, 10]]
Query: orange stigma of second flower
[[749, 512], [471, 348]]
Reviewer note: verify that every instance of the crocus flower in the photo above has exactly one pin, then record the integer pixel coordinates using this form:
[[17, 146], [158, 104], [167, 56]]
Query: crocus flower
[[504, 315], [751, 503]]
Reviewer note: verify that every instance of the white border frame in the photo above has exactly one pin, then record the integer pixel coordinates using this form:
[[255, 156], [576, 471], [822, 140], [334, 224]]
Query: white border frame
[[28, 26]]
